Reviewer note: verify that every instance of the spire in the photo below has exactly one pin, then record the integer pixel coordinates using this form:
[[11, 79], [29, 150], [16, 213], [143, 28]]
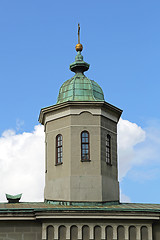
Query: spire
[[79, 66], [79, 46]]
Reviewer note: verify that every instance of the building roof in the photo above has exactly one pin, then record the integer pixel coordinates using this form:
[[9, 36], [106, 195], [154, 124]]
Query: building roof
[[110, 207], [79, 87]]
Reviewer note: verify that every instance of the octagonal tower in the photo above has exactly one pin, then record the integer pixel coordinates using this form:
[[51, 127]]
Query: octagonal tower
[[81, 141]]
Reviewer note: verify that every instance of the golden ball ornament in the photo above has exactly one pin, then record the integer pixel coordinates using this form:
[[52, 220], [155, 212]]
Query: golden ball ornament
[[79, 47]]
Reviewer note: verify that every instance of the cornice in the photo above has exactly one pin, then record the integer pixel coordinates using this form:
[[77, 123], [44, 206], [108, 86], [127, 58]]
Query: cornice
[[101, 104]]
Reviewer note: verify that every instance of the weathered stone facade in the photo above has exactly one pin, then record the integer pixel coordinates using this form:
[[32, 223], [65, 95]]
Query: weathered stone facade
[[99, 231], [20, 230], [74, 180]]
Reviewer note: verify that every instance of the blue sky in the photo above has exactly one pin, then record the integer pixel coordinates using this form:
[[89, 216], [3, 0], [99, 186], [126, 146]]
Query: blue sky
[[121, 41]]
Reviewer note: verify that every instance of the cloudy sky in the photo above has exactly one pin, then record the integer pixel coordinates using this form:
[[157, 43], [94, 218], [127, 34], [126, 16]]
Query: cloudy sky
[[121, 42]]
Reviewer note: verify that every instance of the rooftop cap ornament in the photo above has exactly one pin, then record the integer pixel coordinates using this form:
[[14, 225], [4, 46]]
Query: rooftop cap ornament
[[79, 66]]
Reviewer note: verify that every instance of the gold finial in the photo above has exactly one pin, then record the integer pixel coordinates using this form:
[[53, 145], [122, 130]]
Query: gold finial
[[79, 46]]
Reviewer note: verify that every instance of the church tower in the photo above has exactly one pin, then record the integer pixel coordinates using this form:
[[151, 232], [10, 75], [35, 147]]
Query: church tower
[[81, 141]]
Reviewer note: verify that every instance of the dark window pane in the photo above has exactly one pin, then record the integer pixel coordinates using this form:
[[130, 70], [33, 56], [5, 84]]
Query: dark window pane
[[85, 145], [59, 149], [108, 149]]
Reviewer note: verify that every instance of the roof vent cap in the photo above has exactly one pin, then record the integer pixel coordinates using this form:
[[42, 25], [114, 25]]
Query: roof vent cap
[[13, 198]]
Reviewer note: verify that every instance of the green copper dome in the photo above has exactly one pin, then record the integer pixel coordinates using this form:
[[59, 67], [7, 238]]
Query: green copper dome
[[79, 87]]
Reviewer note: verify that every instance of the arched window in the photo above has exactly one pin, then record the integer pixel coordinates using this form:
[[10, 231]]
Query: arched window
[[73, 232], [120, 233], [132, 233], [85, 232], [144, 233], [109, 232], [50, 232], [62, 232], [85, 154], [108, 149], [59, 149], [97, 233]]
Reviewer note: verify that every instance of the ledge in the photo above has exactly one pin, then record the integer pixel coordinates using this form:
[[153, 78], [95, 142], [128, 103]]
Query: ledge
[[86, 160], [58, 163]]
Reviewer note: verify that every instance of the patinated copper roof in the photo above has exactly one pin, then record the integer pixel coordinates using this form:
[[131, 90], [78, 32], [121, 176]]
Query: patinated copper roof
[[40, 206]]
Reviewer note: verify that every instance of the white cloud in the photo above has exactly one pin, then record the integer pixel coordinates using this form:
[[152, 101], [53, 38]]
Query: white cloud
[[129, 135], [124, 198], [150, 150], [19, 124], [145, 175], [22, 164]]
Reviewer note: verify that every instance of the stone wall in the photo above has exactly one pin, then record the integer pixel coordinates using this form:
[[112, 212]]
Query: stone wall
[[110, 185], [61, 230], [74, 179], [156, 231], [20, 230]]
